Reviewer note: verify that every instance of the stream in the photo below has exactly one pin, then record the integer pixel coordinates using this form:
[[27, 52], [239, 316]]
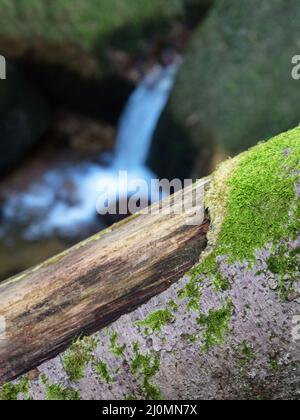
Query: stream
[[47, 208]]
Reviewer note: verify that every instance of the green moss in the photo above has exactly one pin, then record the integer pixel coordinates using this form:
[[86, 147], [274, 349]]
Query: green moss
[[273, 364], [247, 353], [216, 325], [102, 369], [116, 349], [261, 196], [245, 102], [147, 365], [190, 338], [285, 264], [220, 284], [252, 202], [56, 392], [11, 392], [246, 310], [84, 23], [78, 356], [192, 292], [156, 320], [173, 305], [130, 397]]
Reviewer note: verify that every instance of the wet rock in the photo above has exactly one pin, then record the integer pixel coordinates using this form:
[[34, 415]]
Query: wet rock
[[234, 88], [84, 135], [23, 118]]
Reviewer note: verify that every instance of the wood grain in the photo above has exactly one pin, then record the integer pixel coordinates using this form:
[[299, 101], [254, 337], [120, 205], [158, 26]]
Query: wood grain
[[97, 281]]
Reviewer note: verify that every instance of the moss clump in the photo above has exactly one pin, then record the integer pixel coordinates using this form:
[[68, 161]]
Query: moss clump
[[173, 305], [116, 349], [192, 292], [57, 392], [285, 264], [156, 320], [78, 356], [130, 397], [273, 364], [190, 338], [252, 202], [102, 369], [216, 325], [147, 365], [11, 392], [261, 198], [85, 23], [247, 353]]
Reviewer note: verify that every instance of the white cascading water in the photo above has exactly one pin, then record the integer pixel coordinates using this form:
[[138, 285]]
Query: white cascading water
[[135, 132]]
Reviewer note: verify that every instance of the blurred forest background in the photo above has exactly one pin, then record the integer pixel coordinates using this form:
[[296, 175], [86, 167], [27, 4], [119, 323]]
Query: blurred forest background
[[72, 65]]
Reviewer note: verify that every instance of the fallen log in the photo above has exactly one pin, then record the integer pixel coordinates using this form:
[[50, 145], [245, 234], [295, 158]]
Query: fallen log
[[86, 288]]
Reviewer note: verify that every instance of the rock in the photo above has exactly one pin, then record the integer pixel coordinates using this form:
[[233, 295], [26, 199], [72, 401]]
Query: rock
[[84, 135], [72, 50], [83, 27], [23, 118], [220, 332], [234, 88]]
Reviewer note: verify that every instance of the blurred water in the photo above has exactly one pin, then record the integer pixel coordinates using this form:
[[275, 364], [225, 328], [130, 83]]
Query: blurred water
[[47, 208]]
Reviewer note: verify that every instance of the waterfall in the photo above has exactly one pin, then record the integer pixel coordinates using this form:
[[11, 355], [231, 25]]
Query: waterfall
[[43, 213], [140, 117]]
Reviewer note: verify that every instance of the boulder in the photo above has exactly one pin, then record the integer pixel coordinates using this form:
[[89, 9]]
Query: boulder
[[71, 50], [234, 88], [79, 26]]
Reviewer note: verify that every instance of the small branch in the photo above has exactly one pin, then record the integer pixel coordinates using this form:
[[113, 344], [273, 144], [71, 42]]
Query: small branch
[[97, 281]]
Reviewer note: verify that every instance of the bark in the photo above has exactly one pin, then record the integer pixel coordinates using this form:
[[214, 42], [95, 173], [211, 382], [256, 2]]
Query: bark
[[93, 284]]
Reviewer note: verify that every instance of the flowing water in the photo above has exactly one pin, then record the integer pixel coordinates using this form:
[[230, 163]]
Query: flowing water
[[46, 209]]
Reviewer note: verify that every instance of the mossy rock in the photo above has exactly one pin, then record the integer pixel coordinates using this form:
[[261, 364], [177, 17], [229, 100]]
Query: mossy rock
[[23, 118], [63, 46], [234, 88], [254, 205], [83, 24]]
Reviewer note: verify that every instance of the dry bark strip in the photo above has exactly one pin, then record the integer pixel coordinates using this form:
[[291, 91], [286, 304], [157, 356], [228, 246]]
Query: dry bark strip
[[97, 281]]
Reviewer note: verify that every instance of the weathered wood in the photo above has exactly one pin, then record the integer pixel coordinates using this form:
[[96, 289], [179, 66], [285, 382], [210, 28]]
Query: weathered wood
[[94, 283]]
